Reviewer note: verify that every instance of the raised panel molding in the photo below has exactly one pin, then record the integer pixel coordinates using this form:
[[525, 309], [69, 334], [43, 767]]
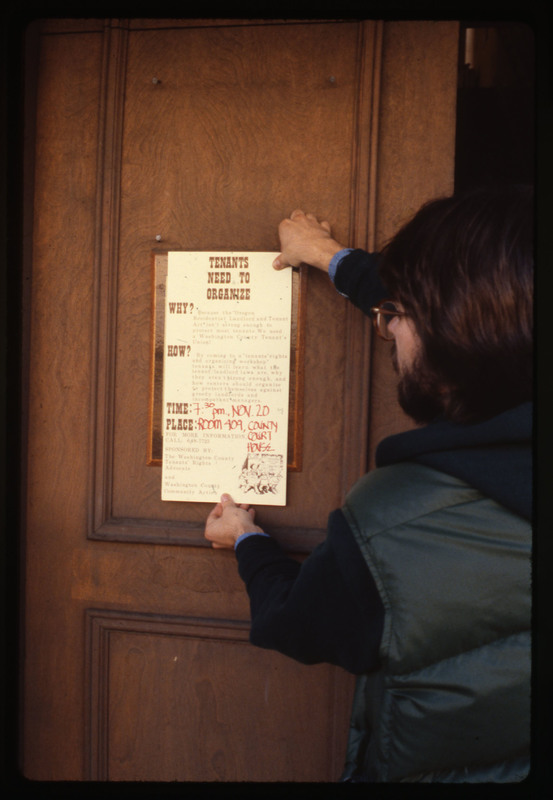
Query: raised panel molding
[[110, 134], [152, 679], [102, 628], [362, 235], [103, 525]]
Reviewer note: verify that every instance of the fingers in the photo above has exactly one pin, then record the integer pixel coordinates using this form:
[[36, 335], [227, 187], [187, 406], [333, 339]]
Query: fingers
[[228, 521], [215, 513], [300, 235], [279, 263], [297, 215], [228, 502], [249, 509]]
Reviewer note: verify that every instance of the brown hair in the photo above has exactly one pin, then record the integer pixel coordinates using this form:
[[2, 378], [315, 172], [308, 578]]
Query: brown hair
[[463, 270]]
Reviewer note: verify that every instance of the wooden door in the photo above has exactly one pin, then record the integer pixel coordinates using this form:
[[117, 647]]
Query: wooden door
[[176, 135]]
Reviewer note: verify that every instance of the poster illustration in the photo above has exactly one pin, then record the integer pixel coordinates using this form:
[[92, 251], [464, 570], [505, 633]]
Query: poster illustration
[[226, 378]]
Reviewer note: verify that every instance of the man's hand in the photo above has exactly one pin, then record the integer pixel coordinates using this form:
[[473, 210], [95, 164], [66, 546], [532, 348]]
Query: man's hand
[[303, 239], [228, 521]]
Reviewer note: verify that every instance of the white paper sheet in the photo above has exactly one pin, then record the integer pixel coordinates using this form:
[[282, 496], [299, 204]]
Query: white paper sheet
[[226, 377]]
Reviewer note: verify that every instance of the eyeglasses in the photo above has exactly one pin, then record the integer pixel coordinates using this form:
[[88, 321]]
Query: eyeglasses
[[383, 314]]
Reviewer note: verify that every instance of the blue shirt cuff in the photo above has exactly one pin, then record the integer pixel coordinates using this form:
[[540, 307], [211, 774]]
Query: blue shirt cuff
[[245, 536], [335, 260]]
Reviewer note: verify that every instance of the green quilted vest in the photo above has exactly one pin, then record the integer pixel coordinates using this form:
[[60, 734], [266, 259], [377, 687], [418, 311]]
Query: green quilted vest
[[451, 701]]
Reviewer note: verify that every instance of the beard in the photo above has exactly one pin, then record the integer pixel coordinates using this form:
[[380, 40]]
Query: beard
[[418, 391]]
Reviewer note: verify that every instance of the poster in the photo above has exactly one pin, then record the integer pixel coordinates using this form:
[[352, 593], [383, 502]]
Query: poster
[[226, 377]]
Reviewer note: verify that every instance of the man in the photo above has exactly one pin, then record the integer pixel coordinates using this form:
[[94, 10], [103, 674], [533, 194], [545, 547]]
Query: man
[[422, 586]]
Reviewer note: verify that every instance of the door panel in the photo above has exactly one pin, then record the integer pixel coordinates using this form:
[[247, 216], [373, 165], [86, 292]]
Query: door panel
[[213, 155], [137, 661], [146, 734]]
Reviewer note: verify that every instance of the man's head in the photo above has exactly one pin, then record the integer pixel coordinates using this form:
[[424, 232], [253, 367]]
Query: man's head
[[462, 271]]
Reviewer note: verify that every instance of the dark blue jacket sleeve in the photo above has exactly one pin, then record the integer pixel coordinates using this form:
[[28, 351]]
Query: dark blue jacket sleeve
[[357, 277], [326, 609]]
